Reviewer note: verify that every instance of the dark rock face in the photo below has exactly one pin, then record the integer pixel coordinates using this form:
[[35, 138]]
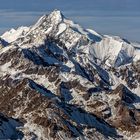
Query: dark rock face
[[51, 90], [3, 43], [126, 114]]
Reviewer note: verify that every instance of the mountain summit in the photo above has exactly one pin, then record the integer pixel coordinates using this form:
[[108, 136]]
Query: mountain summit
[[61, 81]]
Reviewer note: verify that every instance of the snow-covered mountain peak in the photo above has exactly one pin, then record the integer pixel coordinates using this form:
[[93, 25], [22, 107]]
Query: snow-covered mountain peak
[[56, 15], [111, 50]]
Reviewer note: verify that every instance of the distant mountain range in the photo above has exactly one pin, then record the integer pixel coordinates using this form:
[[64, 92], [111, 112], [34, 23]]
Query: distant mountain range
[[59, 81]]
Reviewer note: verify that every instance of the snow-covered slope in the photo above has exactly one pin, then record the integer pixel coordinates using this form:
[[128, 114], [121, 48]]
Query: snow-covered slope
[[113, 51], [13, 34], [66, 82]]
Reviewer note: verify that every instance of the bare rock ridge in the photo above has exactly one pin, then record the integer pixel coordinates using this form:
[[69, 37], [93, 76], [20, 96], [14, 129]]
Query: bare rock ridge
[[61, 81]]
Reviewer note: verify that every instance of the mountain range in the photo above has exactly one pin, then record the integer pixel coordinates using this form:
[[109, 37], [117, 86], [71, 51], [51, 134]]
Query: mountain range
[[59, 81]]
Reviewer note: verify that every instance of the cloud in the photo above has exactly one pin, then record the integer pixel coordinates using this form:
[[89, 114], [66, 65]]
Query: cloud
[[12, 19]]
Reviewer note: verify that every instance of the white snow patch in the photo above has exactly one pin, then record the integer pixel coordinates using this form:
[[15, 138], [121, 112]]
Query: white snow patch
[[13, 34], [62, 27]]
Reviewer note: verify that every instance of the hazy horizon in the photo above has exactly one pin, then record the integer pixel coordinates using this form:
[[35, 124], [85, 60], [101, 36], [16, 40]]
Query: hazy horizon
[[113, 17]]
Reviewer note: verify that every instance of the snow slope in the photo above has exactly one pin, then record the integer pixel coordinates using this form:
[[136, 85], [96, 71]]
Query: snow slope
[[13, 34]]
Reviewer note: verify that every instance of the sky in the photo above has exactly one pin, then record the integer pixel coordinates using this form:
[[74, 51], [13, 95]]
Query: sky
[[113, 17]]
